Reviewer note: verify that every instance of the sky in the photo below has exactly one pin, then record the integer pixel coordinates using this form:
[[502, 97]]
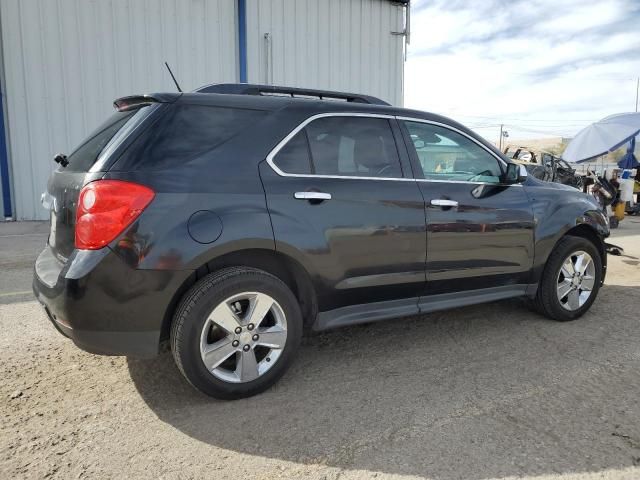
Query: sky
[[544, 68]]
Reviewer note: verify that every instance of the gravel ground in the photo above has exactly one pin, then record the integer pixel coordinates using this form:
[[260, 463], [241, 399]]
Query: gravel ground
[[486, 392]]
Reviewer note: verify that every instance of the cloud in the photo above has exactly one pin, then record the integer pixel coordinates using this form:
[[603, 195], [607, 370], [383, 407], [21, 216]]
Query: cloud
[[554, 65]]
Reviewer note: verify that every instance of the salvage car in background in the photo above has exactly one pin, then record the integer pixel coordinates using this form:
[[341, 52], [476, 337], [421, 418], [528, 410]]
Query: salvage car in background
[[546, 166]]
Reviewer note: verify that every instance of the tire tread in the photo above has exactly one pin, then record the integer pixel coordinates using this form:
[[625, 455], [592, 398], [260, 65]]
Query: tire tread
[[545, 301], [191, 299]]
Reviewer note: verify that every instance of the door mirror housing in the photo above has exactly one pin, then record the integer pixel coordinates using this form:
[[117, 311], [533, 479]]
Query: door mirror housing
[[515, 173]]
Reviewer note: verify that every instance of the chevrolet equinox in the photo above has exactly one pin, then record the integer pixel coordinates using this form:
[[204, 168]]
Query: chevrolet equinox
[[229, 220]]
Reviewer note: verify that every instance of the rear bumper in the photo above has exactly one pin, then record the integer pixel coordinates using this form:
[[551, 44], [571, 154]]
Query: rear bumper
[[139, 344], [103, 305]]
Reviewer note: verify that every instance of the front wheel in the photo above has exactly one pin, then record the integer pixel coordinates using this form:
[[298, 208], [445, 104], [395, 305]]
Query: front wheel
[[235, 332], [571, 279]]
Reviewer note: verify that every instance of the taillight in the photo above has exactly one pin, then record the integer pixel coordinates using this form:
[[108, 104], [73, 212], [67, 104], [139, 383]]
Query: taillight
[[106, 208]]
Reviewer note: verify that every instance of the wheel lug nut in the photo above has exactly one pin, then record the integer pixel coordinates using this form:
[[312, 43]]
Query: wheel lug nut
[[238, 330], [250, 326], [235, 343], [255, 337], [246, 348]]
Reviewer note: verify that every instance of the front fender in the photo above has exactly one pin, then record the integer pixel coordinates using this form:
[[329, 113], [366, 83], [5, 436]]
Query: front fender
[[557, 213]]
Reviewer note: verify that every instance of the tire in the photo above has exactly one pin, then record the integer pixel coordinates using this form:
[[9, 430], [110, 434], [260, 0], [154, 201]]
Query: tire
[[547, 301], [203, 328]]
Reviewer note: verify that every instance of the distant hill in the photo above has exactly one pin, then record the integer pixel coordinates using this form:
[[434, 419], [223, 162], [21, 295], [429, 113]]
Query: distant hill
[[555, 145]]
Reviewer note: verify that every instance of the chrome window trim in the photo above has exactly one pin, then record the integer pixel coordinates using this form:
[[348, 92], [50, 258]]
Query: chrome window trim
[[499, 184], [304, 123]]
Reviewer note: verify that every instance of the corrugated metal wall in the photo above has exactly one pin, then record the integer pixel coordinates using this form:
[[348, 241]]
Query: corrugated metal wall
[[65, 61], [332, 44]]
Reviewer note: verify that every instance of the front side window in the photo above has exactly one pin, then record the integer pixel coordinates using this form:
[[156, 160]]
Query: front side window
[[447, 155], [342, 146]]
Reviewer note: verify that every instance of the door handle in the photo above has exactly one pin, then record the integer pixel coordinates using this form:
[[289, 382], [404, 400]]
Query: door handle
[[312, 196], [443, 202]]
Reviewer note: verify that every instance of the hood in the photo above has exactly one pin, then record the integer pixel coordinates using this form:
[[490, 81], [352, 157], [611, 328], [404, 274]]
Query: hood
[[535, 182]]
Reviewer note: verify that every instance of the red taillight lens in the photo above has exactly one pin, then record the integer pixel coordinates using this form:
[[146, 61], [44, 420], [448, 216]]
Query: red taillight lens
[[106, 208]]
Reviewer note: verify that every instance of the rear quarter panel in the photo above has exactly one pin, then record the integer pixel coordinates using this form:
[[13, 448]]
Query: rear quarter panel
[[160, 238], [224, 181]]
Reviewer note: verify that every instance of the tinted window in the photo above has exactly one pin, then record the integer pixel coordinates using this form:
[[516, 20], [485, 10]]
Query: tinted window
[[353, 146], [447, 155], [294, 156], [184, 132], [84, 156]]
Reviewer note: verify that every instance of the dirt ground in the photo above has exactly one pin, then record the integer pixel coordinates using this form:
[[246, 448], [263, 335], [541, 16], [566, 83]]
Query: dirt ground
[[487, 392]]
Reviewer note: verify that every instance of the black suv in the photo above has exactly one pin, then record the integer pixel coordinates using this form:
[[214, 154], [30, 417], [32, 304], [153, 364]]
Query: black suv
[[229, 220]]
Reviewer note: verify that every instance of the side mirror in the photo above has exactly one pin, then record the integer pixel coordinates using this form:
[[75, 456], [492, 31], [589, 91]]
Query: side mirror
[[516, 173]]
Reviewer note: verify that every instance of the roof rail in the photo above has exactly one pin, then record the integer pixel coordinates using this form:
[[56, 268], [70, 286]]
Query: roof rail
[[293, 92]]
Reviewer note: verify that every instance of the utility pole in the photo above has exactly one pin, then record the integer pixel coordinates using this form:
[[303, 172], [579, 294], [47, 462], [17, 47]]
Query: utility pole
[[637, 89], [501, 126]]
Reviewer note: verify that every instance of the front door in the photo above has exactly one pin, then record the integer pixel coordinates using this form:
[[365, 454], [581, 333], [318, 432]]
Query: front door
[[342, 205], [479, 230]]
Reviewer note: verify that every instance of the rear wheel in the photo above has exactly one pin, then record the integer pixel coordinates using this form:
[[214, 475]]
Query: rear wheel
[[571, 279], [236, 332]]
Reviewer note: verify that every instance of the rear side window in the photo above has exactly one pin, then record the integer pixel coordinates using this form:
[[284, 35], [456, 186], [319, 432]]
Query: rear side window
[[353, 146], [84, 156], [185, 132], [343, 146], [294, 156]]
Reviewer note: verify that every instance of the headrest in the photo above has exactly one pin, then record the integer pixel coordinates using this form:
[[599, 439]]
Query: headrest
[[369, 152]]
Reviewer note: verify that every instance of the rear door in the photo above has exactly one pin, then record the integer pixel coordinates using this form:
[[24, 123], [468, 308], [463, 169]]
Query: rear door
[[342, 203], [479, 230]]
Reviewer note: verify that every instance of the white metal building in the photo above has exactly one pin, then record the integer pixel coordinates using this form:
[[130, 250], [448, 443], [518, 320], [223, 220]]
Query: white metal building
[[65, 61]]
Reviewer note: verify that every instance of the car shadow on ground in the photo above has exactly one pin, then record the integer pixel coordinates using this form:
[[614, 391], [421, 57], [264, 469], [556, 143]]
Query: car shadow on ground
[[480, 392]]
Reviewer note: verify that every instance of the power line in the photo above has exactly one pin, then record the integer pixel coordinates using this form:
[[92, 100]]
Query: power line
[[482, 125], [544, 132], [542, 127], [471, 124], [507, 118]]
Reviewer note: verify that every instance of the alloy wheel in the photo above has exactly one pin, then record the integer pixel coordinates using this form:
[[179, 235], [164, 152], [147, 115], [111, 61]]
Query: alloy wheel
[[243, 337], [576, 280]]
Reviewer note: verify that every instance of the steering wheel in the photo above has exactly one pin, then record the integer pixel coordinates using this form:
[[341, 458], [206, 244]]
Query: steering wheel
[[485, 173], [386, 168]]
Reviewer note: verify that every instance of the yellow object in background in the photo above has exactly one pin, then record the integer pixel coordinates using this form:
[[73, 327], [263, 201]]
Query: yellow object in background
[[618, 210]]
